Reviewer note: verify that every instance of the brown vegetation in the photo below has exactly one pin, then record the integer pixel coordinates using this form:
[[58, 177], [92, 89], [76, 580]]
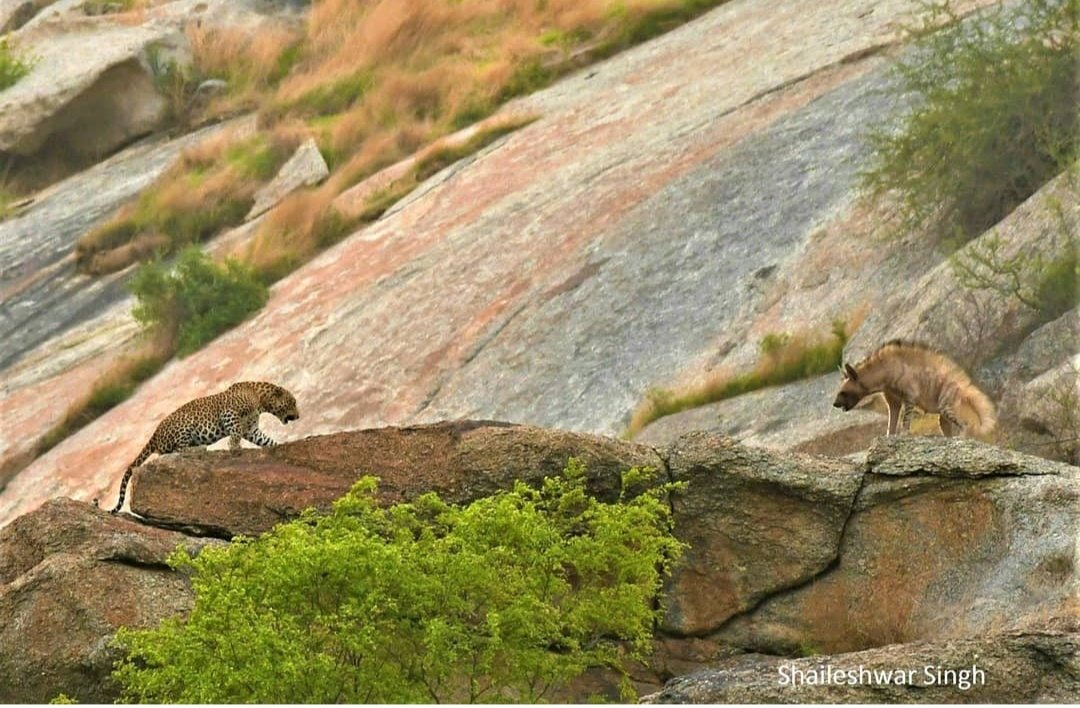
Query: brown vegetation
[[374, 82], [784, 358]]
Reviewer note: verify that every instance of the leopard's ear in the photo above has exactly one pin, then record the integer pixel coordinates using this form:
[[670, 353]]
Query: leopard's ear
[[849, 370]]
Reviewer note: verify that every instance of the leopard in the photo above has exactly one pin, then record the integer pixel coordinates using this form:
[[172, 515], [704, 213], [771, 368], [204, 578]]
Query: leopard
[[232, 413]]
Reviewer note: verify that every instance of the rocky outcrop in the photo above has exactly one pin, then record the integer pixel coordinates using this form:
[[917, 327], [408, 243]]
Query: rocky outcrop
[[306, 167], [928, 540], [946, 538], [70, 575], [87, 93], [788, 551], [596, 252], [226, 494], [1032, 666], [756, 524]]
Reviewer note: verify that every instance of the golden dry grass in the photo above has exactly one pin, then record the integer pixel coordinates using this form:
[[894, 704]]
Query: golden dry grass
[[784, 358], [210, 187], [113, 387], [374, 81]]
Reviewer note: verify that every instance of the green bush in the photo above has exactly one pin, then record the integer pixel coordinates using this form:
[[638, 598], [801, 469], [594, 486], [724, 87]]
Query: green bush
[[198, 299], [504, 599], [994, 114], [12, 68]]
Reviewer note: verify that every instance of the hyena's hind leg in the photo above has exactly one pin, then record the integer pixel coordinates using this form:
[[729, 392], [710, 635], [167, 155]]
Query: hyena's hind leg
[[950, 426]]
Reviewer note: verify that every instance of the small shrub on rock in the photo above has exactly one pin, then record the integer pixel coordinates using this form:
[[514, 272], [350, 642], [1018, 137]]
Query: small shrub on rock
[[197, 299], [12, 68], [503, 599]]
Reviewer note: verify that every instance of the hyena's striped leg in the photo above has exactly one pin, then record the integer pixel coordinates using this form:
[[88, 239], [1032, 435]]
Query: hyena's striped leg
[[907, 411], [894, 412], [950, 426]]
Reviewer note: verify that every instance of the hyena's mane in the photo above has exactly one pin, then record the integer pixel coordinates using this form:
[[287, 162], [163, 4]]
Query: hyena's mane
[[916, 353]]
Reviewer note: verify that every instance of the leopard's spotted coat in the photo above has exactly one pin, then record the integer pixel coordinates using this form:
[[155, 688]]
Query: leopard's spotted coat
[[233, 413]]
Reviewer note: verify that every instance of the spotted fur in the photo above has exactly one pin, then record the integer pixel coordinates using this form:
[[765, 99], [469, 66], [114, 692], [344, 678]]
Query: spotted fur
[[233, 414]]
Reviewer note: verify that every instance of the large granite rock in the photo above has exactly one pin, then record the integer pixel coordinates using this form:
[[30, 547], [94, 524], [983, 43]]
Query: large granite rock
[[306, 167], [1029, 666], [757, 523], [947, 538], [70, 575], [87, 93], [226, 494], [929, 540], [556, 275]]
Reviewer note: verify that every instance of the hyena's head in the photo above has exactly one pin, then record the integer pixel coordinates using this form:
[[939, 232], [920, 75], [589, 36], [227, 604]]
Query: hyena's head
[[851, 390]]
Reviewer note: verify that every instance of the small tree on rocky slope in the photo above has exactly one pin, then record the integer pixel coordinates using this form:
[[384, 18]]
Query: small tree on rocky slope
[[992, 114], [504, 599]]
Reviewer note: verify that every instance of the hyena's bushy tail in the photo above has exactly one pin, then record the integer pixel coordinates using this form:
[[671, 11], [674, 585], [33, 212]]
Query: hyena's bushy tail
[[127, 474], [976, 413]]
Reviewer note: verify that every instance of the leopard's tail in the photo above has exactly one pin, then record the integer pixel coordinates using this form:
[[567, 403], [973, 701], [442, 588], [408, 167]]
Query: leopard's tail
[[146, 451]]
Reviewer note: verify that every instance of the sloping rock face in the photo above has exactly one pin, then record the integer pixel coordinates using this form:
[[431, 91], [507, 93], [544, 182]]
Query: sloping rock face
[[1016, 667], [997, 338], [929, 540], [50, 354], [70, 575], [607, 247]]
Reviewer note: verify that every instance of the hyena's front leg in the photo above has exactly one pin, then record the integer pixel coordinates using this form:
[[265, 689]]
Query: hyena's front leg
[[894, 404], [907, 411]]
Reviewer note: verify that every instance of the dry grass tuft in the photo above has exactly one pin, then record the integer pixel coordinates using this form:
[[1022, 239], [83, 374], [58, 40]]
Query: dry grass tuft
[[211, 187], [114, 387], [784, 358]]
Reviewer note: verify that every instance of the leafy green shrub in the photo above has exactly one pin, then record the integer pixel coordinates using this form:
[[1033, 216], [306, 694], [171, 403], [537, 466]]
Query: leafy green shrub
[[504, 599], [993, 117], [12, 68], [198, 299]]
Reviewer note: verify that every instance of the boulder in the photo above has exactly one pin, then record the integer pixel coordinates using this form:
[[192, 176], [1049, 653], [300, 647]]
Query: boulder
[[1032, 666], [947, 538], [16, 13], [757, 524], [928, 542], [306, 167], [1048, 409], [70, 575], [87, 93], [227, 494]]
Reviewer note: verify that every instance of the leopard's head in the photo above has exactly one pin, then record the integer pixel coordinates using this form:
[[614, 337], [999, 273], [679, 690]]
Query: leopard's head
[[279, 402]]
